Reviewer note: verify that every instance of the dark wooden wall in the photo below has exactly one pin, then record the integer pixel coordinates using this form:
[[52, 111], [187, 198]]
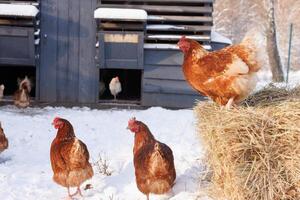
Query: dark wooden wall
[[163, 80], [68, 71]]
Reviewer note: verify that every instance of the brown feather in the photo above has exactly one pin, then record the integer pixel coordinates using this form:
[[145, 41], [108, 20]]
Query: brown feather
[[69, 158], [3, 140], [153, 162], [216, 74]]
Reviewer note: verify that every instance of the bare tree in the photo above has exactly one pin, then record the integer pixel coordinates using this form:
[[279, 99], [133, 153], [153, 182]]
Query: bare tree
[[272, 46]]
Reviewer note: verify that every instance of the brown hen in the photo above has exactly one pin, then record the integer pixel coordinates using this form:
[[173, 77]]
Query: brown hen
[[69, 157], [228, 75], [153, 161], [22, 95], [3, 140]]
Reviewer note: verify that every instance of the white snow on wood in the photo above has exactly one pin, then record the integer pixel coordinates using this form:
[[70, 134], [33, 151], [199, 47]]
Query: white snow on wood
[[36, 33], [164, 27], [194, 37], [168, 46], [154, 17], [120, 13], [217, 37], [37, 41], [18, 10]]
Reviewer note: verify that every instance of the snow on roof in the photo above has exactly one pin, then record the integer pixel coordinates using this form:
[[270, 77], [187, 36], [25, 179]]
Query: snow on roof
[[120, 13], [217, 37], [18, 10]]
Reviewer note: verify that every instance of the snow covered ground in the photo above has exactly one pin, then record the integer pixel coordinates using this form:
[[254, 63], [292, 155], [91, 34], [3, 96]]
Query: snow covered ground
[[25, 171]]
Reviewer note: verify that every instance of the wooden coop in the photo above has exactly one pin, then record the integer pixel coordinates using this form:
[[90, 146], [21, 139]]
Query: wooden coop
[[19, 43], [72, 49], [146, 42]]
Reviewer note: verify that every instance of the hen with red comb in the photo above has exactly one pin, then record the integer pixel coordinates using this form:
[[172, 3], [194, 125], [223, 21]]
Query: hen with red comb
[[153, 161], [69, 157], [227, 75]]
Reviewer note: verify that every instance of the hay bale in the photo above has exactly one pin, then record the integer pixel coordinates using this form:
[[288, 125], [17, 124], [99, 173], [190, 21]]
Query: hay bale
[[272, 94], [253, 152]]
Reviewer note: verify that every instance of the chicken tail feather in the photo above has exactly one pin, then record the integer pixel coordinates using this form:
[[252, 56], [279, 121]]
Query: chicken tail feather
[[25, 84], [255, 41]]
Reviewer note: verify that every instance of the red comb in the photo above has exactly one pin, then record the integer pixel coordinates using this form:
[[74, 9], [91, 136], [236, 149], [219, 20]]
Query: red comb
[[132, 120], [56, 119], [182, 38]]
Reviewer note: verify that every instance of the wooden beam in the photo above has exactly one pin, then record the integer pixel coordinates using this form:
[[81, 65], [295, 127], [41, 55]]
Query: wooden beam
[[161, 1], [161, 9], [170, 18], [177, 37], [178, 28], [121, 26]]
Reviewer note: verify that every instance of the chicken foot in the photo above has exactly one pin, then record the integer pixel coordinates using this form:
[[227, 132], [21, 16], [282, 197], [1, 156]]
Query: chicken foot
[[229, 103], [78, 191]]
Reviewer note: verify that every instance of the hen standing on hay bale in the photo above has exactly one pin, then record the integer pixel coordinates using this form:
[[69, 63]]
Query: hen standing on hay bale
[[253, 152], [228, 75]]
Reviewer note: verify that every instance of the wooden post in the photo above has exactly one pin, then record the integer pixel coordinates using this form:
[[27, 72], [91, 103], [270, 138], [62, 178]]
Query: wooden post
[[289, 53]]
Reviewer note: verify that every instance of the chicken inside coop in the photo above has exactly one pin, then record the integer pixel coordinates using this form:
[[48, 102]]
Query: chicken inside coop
[[10, 76], [120, 85]]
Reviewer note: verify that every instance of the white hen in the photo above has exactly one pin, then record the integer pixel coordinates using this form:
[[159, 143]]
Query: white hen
[[115, 87]]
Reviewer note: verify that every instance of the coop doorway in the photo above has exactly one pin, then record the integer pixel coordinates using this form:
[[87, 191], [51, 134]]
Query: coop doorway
[[9, 76], [130, 80]]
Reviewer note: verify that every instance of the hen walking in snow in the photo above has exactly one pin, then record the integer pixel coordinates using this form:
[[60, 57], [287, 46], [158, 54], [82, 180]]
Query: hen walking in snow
[[153, 161], [3, 140], [69, 158]]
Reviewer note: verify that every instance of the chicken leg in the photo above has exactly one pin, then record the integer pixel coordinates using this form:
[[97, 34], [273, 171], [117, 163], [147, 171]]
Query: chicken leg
[[78, 191], [229, 103], [147, 196]]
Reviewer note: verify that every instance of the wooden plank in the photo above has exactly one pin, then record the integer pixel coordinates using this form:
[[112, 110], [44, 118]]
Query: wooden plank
[[48, 59], [30, 2], [163, 57], [170, 100], [121, 64], [62, 47], [160, 9], [73, 58], [163, 72], [174, 47], [18, 22], [167, 86], [177, 37], [121, 26], [179, 28], [173, 18], [160, 1], [89, 73]]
